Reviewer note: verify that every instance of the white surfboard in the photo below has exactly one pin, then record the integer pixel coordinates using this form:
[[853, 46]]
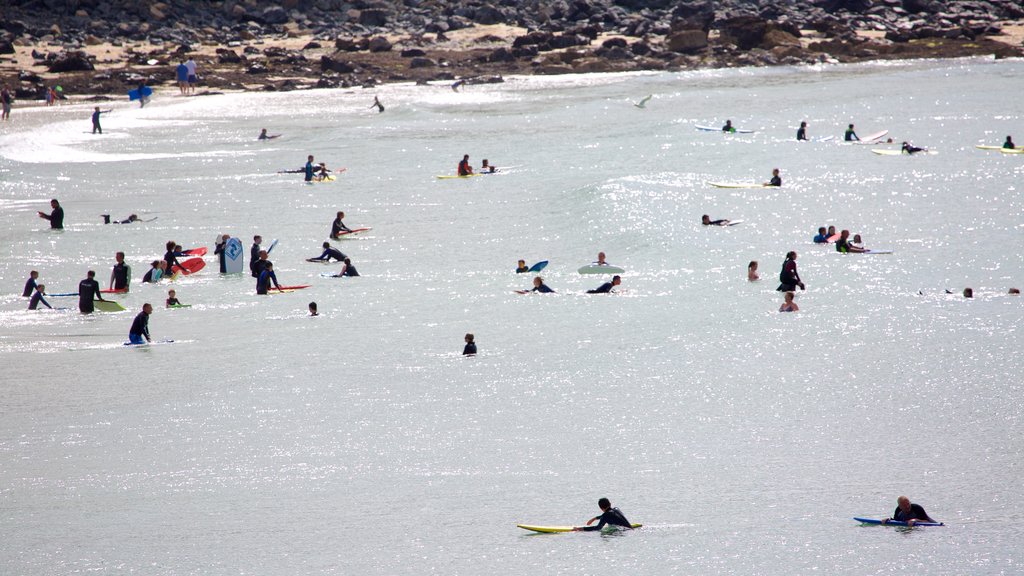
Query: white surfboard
[[599, 269], [234, 256], [737, 185]]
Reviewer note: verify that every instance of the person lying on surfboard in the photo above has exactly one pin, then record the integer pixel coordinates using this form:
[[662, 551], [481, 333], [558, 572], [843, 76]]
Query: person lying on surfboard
[[776, 179], [328, 253], [606, 288], [908, 149], [487, 168], [1009, 145], [609, 515], [908, 512], [707, 221], [172, 298], [538, 286]]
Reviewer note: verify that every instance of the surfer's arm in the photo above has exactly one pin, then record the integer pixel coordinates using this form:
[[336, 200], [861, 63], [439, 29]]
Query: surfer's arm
[[43, 301]]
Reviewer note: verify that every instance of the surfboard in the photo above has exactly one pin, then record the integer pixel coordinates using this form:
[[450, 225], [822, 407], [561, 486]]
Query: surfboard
[[1012, 150], [352, 232], [108, 306], [201, 251], [62, 294], [713, 129], [330, 275], [895, 522], [180, 306], [823, 139], [737, 185], [328, 178], [108, 291], [134, 94], [872, 137], [190, 266], [299, 287], [877, 252], [559, 529], [598, 269], [734, 222], [451, 177], [538, 266], [987, 147], [272, 244], [234, 256], [832, 238], [150, 343], [900, 152]]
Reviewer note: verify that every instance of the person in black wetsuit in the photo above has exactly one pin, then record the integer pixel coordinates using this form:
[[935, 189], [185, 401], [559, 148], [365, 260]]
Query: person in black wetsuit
[[171, 258], [522, 267], [789, 277], [328, 253], [218, 250], [260, 264], [729, 128], [337, 227], [140, 326], [606, 288], [908, 149], [464, 168], [609, 515], [96, 119], [88, 290], [348, 269], [312, 309], [377, 105], [121, 275], [254, 255], [843, 244], [850, 135], [56, 216], [538, 286], [33, 304], [909, 513], [1009, 145], [172, 298], [776, 179], [470, 348], [266, 277], [155, 273], [707, 221], [801, 133], [30, 284]]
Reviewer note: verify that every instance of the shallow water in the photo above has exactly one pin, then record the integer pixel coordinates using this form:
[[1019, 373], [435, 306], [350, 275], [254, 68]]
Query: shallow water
[[263, 441]]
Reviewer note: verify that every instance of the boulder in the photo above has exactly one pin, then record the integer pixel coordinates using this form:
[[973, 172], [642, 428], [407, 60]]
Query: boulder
[[225, 56], [6, 47], [257, 69], [774, 38], [412, 53], [687, 41], [328, 63], [77, 61], [312, 46], [568, 41], [613, 42], [351, 44], [746, 32], [501, 55], [532, 39], [373, 17], [379, 44], [421, 62], [488, 15], [274, 15]]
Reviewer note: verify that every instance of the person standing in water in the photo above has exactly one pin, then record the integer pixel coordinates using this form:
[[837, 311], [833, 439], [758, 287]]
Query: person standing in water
[[30, 284], [728, 128], [789, 277], [470, 348], [88, 290], [789, 305], [264, 136], [121, 275], [56, 216], [37, 298], [337, 227], [801, 133], [96, 119], [378, 105], [752, 271], [609, 516], [776, 179], [266, 277], [254, 255], [139, 332]]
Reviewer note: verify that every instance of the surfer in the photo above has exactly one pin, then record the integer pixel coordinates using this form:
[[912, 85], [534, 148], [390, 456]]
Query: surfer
[[752, 271], [30, 284], [348, 269], [843, 244], [337, 227], [728, 128], [600, 260], [606, 288], [154, 274], [88, 289], [538, 286], [857, 242], [312, 309], [609, 515], [378, 105], [486, 168], [266, 277], [908, 512], [908, 149], [457, 84], [789, 278], [37, 297], [328, 253], [121, 275], [789, 305], [264, 136], [822, 237], [218, 250], [172, 298], [464, 168], [776, 179], [140, 326], [521, 268], [308, 168], [850, 135], [1009, 145], [801, 133], [470, 348], [260, 264], [56, 216], [171, 258], [132, 218], [254, 255], [96, 119], [707, 221], [1014, 291]]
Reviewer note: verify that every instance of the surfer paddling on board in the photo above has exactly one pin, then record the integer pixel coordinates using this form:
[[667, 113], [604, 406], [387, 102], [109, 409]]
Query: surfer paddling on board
[[1009, 145], [606, 288], [909, 513], [789, 278], [337, 227], [264, 136], [850, 135], [776, 179], [131, 219], [465, 169], [328, 253], [140, 326], [906, 148], [538, 286], [728, 128], [707, 221], [609, 515], [801, 133]]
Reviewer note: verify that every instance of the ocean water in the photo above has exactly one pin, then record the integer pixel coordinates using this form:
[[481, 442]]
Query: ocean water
[[263, 441]]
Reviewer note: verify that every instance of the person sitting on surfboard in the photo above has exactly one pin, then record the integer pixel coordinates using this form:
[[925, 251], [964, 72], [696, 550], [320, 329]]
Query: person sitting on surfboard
[[522, 267], [843, 244], [707, 221], [606, 288], [264, 136], [908, 149], [789, 278], [328, 253], [857, 242], [729, 128], [789, 305], [321, 172], [850, 135], [486, 168], [33, 304], [801, 133], [752, 271], [140, 326], [464, 168], [908, 512], [609, 515], [822, 237], [337, 227], [348, 269], [266, 277], [776, 179], [172, 298], [470, 348], [1009, 145]]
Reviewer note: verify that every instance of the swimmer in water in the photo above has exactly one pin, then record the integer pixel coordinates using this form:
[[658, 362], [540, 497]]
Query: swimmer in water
[[789, 305], [752, 271], [521, 268], [312, 309], [707, 221], [264, 136], [470, 348], [776, 179]]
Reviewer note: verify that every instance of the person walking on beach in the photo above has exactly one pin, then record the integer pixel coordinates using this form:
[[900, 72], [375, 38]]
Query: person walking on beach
[[193, 79], [96, 119], [181, 72]]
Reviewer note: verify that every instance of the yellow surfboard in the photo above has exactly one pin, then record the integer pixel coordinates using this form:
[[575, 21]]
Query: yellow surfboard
[[557, 529]]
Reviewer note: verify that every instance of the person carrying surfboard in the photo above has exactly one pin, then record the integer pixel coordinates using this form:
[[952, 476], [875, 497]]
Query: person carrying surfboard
[[609, 515], [909, 513], [789, 278], [140, 326], [464, 167]]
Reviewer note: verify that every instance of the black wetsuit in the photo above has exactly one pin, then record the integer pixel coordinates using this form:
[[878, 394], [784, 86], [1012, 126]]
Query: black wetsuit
[[350, 270], [338, 227], [801, 134], [843, 245], [776, 181], [254, 257], [722, 222], [258, 267], [96, 122], [56, 218], [464, 168], [522, 270], [121, 273], [611, 516], [148, 276], [173, 302], [218, 251], [263, 283], [602, 289], [141, 325], [788, 277], [172, 260], [729, 128], [542, 289], [911, 149], [30, 287], [309, 171], [851, 136], [469, 349], [87, 290], [330, 253], [33, 304], [916, 513]]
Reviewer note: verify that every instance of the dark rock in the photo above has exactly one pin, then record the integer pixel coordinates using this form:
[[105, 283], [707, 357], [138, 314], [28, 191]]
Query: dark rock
[[379, 44], [15, 27], [532, 39], [6, 47], [693, 15], [351, 44], [373, 17], [501, 55], [412, 53], [257, 69], [687, 41], [26, 76], [568, 41], [613, 42], [421, 62], [525, 52], [554, 69], [641, 48], [312, 46], [250, 50], [774, 38], [225, 56], [488, 15], [76, 61], [746, 32], [615, 53], [328, 63], [274, 15]]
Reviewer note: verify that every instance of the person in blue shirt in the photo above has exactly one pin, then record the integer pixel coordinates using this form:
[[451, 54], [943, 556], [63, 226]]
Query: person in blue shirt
[[266, 277], [609, 516], [33, 304], [822, 237], [96, 119], [30, 284], [182, 76]]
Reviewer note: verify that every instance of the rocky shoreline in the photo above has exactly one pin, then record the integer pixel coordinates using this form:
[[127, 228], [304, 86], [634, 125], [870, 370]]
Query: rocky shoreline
[[106, 47]]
